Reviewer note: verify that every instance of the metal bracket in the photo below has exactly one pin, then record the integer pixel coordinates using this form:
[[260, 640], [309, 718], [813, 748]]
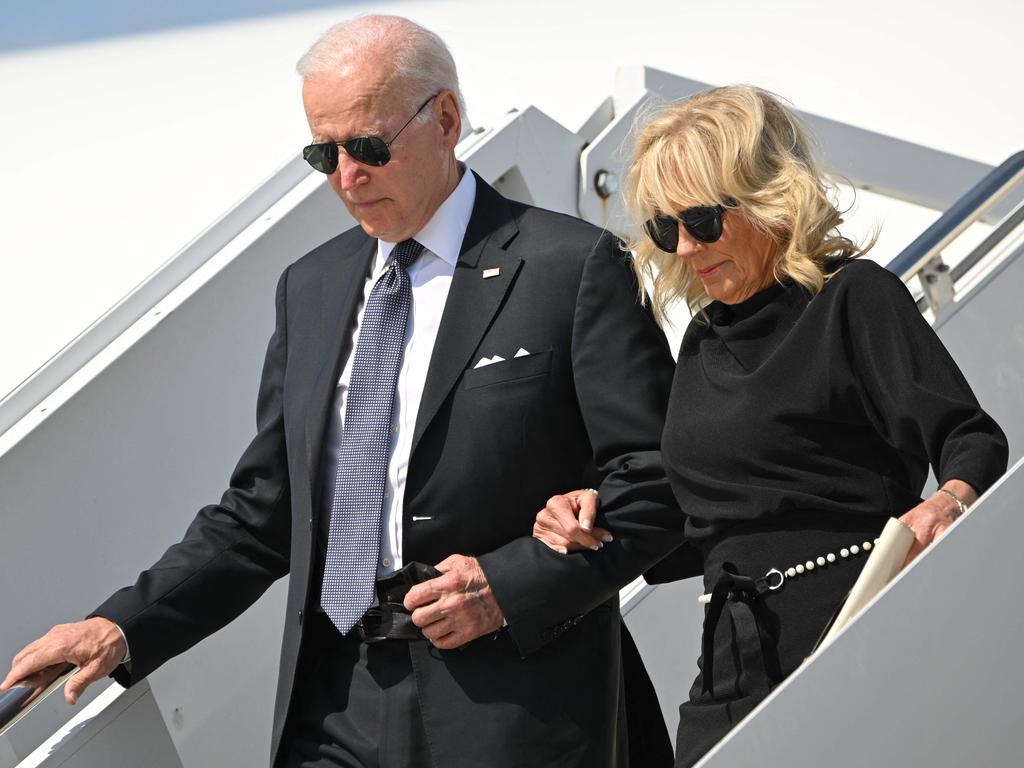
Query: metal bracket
[[937, 284]]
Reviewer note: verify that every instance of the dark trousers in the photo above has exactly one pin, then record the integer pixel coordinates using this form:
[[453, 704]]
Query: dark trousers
[[356, 707]]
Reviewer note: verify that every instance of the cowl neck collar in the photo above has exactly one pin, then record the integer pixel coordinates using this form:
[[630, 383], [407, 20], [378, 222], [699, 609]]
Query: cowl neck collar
[[752, 329], [727, 315]]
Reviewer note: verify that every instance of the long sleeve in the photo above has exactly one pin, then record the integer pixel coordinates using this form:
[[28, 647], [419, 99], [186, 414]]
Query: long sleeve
[[230, 554], [913, 391]]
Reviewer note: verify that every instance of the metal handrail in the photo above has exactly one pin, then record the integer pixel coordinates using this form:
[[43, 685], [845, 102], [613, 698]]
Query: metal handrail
[[964, 212], [18, 701], [994, 238]]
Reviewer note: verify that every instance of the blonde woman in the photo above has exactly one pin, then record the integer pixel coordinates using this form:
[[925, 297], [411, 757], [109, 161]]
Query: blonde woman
[[809, 399]]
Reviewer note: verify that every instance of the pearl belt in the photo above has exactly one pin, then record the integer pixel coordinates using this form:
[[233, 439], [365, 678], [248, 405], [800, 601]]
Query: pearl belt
[[738, 592], [774, 578]]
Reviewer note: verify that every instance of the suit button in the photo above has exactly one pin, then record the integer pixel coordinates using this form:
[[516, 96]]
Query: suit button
[[300, 616]]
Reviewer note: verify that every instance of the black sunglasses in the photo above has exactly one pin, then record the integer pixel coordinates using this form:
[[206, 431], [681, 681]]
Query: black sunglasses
[[702, 222], [369, 150]]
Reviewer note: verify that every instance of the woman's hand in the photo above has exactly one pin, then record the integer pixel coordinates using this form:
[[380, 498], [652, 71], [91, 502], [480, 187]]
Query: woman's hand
[[930, 519], [567, 522]]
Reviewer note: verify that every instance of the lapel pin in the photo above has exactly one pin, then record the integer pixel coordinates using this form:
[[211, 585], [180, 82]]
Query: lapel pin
[[492, 272]]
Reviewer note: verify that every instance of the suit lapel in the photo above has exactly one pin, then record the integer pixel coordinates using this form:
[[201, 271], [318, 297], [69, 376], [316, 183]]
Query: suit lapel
[[473, 300], [340, 292]]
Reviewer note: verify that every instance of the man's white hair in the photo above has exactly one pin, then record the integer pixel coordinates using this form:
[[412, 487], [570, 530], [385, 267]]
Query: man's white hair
[[421, 62]]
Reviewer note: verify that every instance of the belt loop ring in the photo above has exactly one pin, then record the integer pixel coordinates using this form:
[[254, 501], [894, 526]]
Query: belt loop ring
[[781, 579]]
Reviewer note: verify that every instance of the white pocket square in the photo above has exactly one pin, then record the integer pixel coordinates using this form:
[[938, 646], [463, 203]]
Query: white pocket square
[[522, 353], [489, 361]]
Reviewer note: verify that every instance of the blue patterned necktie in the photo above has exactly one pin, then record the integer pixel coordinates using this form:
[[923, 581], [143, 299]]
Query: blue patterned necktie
[[353, 544]]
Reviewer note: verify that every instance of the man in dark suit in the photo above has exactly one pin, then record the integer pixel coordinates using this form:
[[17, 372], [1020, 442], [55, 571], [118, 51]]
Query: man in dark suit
[[435, 374]]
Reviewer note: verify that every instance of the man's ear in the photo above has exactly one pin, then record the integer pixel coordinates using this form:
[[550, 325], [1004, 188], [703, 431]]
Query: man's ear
[[449, 119]]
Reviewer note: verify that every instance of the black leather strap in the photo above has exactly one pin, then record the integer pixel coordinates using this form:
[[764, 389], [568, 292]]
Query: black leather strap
[[388, 619], [387, 622]]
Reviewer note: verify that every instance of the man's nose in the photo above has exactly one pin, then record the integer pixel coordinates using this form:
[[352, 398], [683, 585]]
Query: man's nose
[[351, 174]]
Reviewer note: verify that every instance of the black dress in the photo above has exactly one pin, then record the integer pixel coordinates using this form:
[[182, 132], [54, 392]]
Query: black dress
[[796, 428]]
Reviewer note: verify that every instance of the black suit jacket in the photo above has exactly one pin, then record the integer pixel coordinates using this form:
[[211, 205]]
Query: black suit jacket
[[490, 446]]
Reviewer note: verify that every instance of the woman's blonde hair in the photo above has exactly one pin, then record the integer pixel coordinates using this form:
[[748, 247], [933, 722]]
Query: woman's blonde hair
[[734, 142]]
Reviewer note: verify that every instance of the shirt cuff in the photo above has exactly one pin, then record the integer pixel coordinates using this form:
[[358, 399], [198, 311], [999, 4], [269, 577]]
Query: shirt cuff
[[127, 650]]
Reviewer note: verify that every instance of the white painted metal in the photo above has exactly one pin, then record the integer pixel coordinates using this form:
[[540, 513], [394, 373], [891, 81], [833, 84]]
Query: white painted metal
[[867, 159], [528, 157], [928, 675], [665, 622], [984, 331], [991, 204], [129, 447], [141, 299], [937, 283], [527, 145], [924, 258], [119, 727]]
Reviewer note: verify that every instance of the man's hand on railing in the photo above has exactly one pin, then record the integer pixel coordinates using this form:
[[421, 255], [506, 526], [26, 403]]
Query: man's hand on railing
[[95, 645]]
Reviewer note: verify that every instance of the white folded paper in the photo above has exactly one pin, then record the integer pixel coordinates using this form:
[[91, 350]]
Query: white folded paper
[[886, 560]]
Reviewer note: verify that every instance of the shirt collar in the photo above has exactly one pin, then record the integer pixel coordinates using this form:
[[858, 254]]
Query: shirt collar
[[444, 233]]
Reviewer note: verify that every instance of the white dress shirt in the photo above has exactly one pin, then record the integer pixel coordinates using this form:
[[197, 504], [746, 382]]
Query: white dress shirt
[[431, 277]]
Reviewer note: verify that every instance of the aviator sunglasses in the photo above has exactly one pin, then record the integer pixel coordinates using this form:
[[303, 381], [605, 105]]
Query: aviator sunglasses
[[702, 222], [369, 150]]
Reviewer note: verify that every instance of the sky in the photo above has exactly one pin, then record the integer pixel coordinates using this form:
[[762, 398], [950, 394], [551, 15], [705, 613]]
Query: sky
[[41, 23]]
